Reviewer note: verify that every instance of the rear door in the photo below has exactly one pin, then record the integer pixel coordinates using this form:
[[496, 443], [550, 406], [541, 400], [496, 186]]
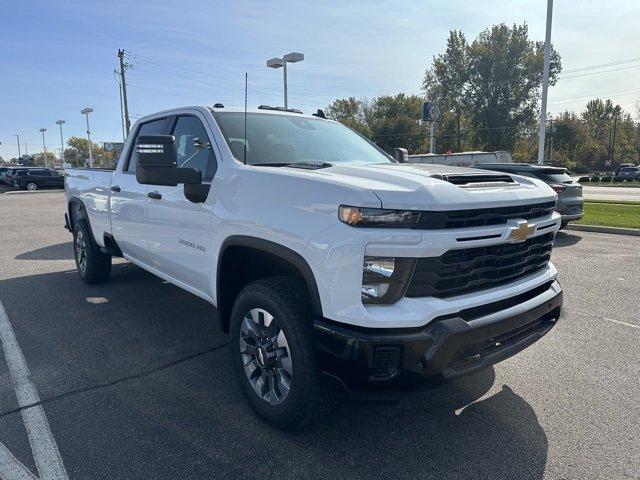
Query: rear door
[[180, 232], [127, 202], [40, 177]]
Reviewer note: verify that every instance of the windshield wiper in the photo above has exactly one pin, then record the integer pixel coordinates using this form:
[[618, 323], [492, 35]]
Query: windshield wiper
[[307, 165]]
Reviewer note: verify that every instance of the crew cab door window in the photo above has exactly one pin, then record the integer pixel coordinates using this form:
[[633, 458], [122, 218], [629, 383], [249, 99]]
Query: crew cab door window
[[193, 146]]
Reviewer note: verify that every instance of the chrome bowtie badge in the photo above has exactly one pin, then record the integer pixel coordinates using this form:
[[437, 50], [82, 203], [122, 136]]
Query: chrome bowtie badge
[[521, 232]]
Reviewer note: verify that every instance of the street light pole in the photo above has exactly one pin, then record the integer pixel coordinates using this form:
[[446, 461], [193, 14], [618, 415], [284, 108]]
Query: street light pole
[[292, 57], [19, 154], [545, 83], [60, 122], [86, 112], [44, 146]]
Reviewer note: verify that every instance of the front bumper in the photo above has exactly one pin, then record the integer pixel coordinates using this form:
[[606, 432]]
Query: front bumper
[[357, 360]]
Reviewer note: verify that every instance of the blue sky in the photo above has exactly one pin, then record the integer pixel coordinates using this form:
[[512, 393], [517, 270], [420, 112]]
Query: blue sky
[[59, 56]]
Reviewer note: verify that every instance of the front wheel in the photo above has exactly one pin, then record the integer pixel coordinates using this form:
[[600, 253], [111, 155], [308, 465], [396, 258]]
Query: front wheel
[[93, 265], [32, 186], [273, 353]]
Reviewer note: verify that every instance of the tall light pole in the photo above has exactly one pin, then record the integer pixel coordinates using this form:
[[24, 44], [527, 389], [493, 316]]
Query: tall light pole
[[545, 83], [44, 146], [292, 57], [60, 122], [19, 154], [86, 112]]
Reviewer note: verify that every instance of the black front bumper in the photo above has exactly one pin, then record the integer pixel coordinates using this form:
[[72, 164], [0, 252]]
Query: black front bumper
[[360, 360]]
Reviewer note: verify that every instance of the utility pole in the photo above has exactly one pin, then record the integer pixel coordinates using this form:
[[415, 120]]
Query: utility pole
[[613, 141], [123, 67], [18, 137], [44, 146], [545, 83], [60, 122]]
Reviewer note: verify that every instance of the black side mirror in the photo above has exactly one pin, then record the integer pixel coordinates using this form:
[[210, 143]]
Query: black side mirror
[[157, 163]]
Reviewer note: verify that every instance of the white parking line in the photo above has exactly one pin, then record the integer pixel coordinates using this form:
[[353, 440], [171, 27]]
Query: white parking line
[[619, 322], [43, 446]]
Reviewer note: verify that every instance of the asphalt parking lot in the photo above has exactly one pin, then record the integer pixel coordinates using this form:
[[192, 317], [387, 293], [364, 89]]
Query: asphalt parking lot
[[135, 380]]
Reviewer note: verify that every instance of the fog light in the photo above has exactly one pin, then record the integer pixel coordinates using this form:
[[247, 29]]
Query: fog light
[[385, 279]]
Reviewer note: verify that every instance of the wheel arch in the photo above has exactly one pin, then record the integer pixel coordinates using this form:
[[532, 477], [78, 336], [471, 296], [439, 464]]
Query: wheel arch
[[76, 211], [261, 258]]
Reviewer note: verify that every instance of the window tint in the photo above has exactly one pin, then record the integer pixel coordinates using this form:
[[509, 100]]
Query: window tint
[[39, 173], [553, 176], [193, 147], [151, 128]]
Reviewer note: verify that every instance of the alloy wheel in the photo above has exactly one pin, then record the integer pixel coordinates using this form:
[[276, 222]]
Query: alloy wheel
[[81, 251], [265, 356]]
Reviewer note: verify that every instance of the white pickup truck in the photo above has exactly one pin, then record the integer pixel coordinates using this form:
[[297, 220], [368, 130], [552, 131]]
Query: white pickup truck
[[336, 270]]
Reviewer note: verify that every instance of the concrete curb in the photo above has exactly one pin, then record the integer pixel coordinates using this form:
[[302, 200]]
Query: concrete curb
[[598, 229], [27, 192]]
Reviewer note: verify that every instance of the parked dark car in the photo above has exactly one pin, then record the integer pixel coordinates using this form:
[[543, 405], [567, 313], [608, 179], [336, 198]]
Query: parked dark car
[[11, 172], [570, 200], [629, 172], [35, 178], [623, 166]]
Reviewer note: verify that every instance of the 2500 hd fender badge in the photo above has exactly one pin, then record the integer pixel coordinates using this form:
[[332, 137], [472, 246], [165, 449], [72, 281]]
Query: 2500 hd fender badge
[[192, 245]]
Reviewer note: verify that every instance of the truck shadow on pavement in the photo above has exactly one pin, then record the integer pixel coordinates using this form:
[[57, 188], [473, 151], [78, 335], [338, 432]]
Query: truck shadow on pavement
[[59, 251], [565, 239], [137, 358]]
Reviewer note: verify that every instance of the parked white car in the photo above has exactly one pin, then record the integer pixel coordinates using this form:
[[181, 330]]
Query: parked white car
[[335, 269]]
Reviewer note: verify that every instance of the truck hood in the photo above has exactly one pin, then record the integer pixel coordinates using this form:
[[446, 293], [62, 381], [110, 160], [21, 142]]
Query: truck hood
[[429, 187]]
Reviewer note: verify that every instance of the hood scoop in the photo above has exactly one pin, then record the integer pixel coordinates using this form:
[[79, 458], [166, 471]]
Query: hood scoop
[[477, 180]]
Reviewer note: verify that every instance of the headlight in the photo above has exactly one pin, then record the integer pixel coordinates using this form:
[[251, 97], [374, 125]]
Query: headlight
[[385, 279], [377, 217]]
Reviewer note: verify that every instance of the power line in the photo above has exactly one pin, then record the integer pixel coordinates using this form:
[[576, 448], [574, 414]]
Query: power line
[[601, 71], [619, 62]]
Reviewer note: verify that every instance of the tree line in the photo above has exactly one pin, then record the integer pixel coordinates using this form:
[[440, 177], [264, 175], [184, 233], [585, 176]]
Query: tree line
[[489, 91], [77, 155]]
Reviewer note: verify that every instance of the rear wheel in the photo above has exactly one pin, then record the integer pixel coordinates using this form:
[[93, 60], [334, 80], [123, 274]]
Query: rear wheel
[[93, 265], [32, 186], [273, 353]]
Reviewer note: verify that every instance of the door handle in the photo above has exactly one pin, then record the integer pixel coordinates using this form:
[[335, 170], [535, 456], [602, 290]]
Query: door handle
[[115, 188], [154, 195]]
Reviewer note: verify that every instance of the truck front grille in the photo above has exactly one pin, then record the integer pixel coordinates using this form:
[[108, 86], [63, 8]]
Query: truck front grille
[[480, 217], [457, 272]]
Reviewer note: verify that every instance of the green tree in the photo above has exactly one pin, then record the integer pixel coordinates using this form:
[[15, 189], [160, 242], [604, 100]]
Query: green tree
[[390, 120], [77, 153], [350, 112], [494, 82]]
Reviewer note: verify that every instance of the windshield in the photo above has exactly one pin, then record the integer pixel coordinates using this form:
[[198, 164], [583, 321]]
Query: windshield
[[287, 139]]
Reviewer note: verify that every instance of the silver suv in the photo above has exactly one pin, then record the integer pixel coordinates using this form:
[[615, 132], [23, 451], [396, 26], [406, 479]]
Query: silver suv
[[570, 201]]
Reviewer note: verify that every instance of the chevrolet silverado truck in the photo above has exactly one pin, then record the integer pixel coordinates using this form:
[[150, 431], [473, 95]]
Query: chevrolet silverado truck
[[336, 270]]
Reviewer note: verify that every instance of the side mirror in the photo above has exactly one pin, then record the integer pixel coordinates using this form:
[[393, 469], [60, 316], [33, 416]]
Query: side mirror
[[157, 163], [401, 155]]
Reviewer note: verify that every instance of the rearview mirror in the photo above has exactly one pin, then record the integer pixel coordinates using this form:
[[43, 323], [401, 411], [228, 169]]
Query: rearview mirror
[[157, 162]]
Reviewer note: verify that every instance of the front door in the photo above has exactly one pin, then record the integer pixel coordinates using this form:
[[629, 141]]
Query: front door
[[178, 231], [128, 199]]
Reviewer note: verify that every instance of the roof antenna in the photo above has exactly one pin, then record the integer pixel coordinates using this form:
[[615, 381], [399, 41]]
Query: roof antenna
[[245, 118]]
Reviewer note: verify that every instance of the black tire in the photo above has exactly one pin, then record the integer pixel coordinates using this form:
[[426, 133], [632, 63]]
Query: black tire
[[287, 301], [563, 225], [93, 265], [31, 186]]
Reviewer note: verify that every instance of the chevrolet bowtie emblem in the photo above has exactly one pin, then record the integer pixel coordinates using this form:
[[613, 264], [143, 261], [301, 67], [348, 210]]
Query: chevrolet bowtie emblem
[[521, 232]]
